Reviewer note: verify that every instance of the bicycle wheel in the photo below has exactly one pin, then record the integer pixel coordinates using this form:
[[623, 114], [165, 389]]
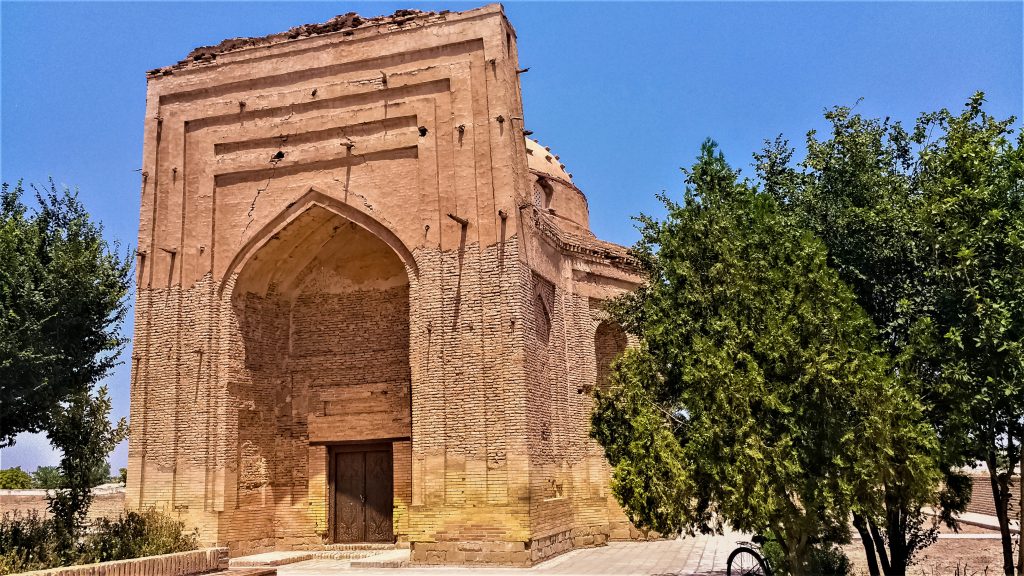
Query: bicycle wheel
[[746, 562]]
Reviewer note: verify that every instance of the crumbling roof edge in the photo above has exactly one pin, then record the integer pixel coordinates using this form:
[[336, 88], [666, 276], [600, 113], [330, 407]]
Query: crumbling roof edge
[[562, 181], [345, 24], [608, 253]]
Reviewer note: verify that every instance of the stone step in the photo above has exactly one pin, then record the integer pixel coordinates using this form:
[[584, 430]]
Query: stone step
[[356, 551], [270, 559], [398, 558], [345, 554], [265, 571], [358, 546]]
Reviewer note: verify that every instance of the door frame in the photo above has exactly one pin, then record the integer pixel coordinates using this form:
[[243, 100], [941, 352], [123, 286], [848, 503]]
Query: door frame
[[362, 446]]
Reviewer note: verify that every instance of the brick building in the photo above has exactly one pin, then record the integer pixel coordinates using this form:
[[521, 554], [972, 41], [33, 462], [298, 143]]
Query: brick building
[[369, 309]]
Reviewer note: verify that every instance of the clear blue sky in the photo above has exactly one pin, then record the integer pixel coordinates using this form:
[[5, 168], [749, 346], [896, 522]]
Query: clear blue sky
[[625, 93]]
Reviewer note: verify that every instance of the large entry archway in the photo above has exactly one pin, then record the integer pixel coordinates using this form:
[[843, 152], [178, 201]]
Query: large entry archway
[[323, 310]]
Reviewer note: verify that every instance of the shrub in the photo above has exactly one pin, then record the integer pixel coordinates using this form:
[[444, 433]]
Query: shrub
[[26, 543], [136, 534], [825, 560], [31, 542]]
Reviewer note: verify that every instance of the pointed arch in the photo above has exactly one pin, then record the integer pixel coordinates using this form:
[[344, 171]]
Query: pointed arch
[[610, 341], [542, 319], [543, 307], [314, 198]]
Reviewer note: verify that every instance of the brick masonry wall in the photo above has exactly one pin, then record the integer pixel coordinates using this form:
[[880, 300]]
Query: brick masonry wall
[[570, 346], [274, 479], [473, 485]]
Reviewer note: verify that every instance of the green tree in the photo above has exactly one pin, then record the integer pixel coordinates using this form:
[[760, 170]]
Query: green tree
[[48, 477], [100, 473], [82, 430], [758, 396], [15, 479], [62, 303], [971, 178], [856, 192]]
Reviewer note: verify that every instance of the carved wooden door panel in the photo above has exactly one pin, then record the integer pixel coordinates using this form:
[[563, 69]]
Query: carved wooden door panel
[[363, 496], [378, 497], [349, 515]]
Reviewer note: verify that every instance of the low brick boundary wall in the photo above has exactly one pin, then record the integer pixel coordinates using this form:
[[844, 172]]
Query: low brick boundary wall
[[177, 564], [108, 501], [982, 501]]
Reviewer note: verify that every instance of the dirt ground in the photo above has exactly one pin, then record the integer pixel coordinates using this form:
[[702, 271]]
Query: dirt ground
[[947, 556]]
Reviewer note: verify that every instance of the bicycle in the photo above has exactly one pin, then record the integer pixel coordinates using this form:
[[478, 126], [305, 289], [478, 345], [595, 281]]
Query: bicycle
[[747, 560]]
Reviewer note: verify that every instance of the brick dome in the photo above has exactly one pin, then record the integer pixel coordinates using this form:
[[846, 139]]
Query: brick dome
[[544, 161]]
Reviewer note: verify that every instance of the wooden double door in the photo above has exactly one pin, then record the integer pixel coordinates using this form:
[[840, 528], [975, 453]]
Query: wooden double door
[[363, 491]]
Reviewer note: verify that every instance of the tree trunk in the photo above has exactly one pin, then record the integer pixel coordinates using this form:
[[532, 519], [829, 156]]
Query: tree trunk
[[883, 557], [869, 544], [896, 530], [797, 556], [1020, 513], [1001, 494]]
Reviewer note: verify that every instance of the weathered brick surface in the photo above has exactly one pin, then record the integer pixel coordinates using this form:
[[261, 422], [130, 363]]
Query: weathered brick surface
[[345, 238]]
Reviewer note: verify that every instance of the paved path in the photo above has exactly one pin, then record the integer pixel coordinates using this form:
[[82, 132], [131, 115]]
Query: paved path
[[990, 522], [705, 555]]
